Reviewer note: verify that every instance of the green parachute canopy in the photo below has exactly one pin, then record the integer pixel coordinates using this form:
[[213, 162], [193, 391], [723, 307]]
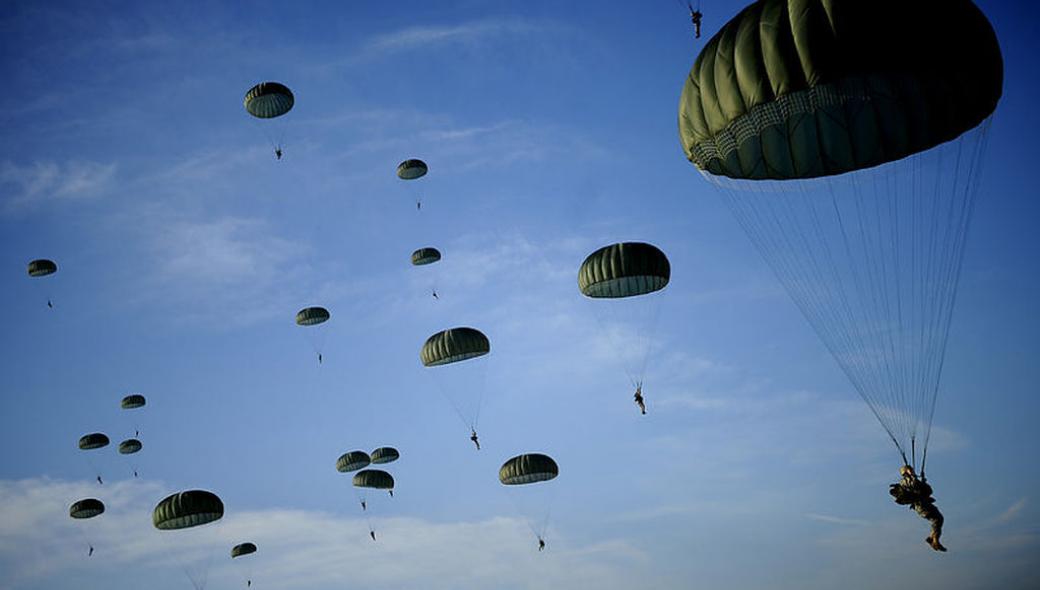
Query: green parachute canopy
[[412, 169], [528, 468], [373, 478], [385, 455], [424, 256], [187, 509], [132, 401], [808, 88], [42, 267], [242, 549], [624, 270], [312, 316], [352, 461], [454, 345], [94, 440], [268, 100], [86, 508], [130, 446]]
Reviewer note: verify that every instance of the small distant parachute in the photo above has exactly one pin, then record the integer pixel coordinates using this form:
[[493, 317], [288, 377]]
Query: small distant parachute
[[132, 401], [94, 440], [424, 256], [374, 479], [268, 100], [352, 461], [528, 468], [627, 269], [42, 267], [412, 169], [385, 455], [312, 316], [454, 345], [242, 549], [130, 446], [86, 508], [187, 509]]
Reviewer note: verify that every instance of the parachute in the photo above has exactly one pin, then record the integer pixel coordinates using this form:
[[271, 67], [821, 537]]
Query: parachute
[[129, 446], [424, 256], [620, 277], [132, 401], [453, 346], [524, 476], [352, 461], [242, 549], [850, 155], [42, 267], [312, 316], [86, 508], [374, 479], [94, 440], [186, 510], [268, 100], [385, 455], [412, 169], [528, 468]]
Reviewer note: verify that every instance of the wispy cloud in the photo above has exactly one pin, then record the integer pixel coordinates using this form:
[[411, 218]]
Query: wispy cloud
[[836, 519], [1012, 512], [415, 38], [43, 181]]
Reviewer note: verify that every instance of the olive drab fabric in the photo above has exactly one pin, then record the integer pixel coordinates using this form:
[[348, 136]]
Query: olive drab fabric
[[352, 461], [86, 508], [130, 446], [624, 270], [268, 100], [242, 549], [187, 509], [385, 455], [454, 345], [412, 169], [808, 88], [94, 440], [132, 401], [424, 256], [312, 316], [42, 268], [373, 478], [528, 468]]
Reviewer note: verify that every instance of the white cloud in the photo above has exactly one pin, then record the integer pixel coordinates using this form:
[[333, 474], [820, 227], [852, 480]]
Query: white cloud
[[836, 519], [45, 181], [415, 38], [1012, 512]]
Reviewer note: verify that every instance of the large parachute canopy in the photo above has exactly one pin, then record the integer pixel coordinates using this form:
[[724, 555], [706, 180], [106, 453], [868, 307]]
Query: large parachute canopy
[[424, 256], [94, 440], [132, 401], [268, 100], [42, 267], [187, 509], [454, 345], [385, 455], [373, 478], [528, 468], [352, 461], [130, 446], [412, 169], [86, 508], [624, 270], [312, 316], [242, 549], [849, 152]]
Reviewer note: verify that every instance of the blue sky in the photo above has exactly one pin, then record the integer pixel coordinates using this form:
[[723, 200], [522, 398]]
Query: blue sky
[[185, 250]]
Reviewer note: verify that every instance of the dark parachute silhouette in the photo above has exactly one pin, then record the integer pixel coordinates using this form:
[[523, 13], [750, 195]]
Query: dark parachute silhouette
[[269, 100], [129, 446], [522, 473], [385, 455], [352, 461], [374, 479], [132, 401], [459, 378], [94, 440], [849, 150], [618, 277], [424, 256], [86, 508], [314, 316], [42, 267], [453, 346], [188, 509], [412, 169], [242, 549]]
